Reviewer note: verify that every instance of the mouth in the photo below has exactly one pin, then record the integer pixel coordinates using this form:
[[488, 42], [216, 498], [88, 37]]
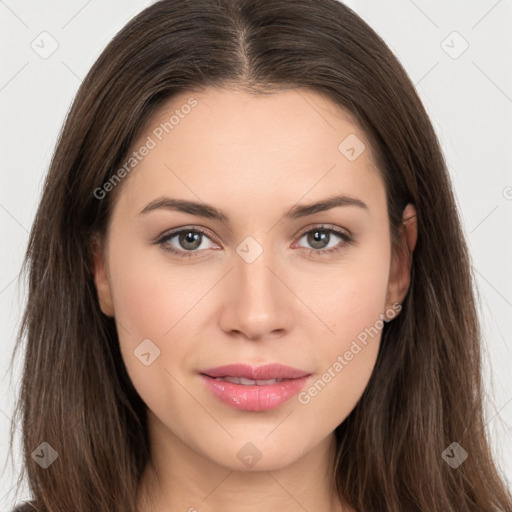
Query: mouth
[[254, 388], [255, 373], [249, 382]]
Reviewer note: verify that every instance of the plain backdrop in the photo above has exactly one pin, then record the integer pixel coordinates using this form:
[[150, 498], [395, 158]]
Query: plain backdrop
[[457, 53]]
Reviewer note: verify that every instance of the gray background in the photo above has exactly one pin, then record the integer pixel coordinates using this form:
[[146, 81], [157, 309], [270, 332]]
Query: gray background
[[468, 95]]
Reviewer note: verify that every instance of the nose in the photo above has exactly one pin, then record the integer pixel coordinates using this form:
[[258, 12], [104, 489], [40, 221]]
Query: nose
[[256, 302]]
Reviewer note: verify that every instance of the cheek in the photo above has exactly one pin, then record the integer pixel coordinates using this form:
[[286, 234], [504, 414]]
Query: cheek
[[348, 352], [149, 304], [150, 294], [350, 297]]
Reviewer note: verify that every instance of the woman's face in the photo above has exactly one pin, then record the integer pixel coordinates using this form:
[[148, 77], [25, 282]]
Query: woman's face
[[272, 279]]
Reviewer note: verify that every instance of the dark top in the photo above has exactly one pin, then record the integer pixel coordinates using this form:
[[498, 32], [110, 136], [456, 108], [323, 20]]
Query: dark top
[[24, 507]]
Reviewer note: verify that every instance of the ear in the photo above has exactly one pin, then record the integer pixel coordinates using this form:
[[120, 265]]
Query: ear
[[101, 276], [400, 272]]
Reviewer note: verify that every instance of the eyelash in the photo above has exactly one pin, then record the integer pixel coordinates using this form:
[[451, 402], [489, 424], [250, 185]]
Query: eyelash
[[347, 240]]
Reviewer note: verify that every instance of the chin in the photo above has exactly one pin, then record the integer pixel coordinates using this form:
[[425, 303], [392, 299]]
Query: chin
[[260, 454]]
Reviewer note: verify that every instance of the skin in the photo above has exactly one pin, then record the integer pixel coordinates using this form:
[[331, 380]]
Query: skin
[[254, 157]]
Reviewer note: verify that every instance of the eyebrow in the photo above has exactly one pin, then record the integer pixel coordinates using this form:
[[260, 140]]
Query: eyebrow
[[210, 212]]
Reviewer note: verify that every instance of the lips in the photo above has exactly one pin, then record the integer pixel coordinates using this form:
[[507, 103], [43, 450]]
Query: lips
[[252, 388], [249, 382], [255, 373]]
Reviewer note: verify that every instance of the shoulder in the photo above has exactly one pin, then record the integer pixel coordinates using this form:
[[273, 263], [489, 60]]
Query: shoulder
[[25, 507]]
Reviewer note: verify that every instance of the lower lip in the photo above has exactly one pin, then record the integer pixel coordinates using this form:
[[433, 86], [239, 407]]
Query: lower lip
[[254, 398]]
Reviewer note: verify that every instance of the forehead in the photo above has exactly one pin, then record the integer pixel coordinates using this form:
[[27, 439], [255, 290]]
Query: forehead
[[251, 151]]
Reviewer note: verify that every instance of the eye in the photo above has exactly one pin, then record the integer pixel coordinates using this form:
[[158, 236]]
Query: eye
[[320, 237], [189, 241]]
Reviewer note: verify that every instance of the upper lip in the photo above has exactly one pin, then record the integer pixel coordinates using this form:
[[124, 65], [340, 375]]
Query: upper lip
[[263, 372]]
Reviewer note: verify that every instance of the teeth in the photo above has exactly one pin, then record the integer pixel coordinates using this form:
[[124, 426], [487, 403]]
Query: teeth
[[249, 382]]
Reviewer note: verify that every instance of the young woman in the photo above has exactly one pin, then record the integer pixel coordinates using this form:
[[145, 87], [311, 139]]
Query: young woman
[[248, 285]]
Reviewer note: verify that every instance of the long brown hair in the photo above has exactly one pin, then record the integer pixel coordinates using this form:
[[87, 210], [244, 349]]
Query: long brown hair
[[426, 389]]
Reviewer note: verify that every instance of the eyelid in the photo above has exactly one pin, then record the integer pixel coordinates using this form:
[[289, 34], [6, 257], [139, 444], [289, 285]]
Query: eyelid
[[186, 227], [325, 227], [176, 231]]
